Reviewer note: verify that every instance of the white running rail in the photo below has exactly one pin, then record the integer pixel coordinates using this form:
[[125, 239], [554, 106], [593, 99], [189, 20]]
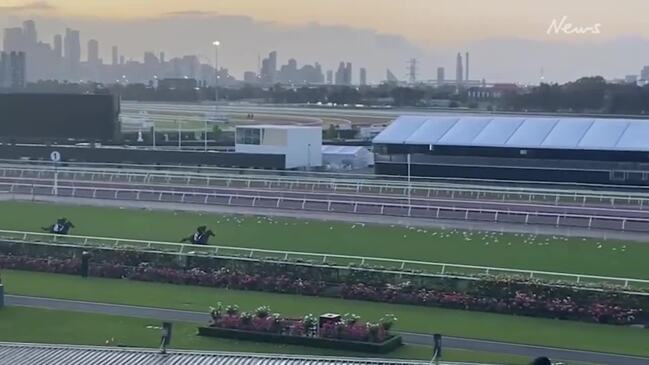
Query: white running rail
[[361, 263]]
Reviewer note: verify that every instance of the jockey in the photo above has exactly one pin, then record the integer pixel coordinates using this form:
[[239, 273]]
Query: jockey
[[59, 226], [198, 236]]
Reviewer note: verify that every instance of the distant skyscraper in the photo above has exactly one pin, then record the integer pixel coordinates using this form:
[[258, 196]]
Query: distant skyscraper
[[29, 32], [268, 72], [390, 78], [58, 46], [363, 76], [162, 57], [72, 52], [93, 52], [115, 55], [330, 77], [348, 73], [250, 77], [459, 70], [13, 70], [466, 59], [13, 40], [122, 60], [440, 76], [644, 73]]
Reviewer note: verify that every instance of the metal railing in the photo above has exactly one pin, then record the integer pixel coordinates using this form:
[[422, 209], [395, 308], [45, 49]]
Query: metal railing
[[385, 188], [402, 208], [324, 260]]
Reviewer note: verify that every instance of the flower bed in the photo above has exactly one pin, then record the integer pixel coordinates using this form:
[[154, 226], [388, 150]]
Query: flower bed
[[346, 333], [502, 295]]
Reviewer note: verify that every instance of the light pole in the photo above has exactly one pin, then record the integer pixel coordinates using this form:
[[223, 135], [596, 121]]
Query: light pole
[[216, 45]]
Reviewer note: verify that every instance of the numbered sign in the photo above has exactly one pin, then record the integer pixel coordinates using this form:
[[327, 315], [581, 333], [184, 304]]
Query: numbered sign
[[55, 156]]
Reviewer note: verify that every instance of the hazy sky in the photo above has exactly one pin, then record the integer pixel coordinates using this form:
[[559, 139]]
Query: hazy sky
[[422, 21], [432, 30]]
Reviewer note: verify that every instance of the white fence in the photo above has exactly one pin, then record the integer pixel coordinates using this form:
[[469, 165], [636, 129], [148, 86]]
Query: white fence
[[357, 205], [359, 263], [385, 188]]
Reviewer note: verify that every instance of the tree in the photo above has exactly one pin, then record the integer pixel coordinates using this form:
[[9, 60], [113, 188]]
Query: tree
[[216, 132], [332, 132]]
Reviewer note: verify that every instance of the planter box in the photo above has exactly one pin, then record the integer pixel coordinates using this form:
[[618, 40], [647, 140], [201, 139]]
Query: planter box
[[388, 345]]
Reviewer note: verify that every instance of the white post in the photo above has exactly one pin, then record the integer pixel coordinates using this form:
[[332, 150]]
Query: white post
[[180, 137], [56, 180], [308, 157], [153, 136], [409, 177], [205, 149]]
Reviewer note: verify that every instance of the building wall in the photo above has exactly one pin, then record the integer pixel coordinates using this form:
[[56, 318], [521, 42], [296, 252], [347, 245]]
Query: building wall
[[301, 146], [59, 117]]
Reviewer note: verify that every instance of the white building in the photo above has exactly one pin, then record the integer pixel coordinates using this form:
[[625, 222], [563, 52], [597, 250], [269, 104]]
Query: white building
[[300, 145], [346, 157]]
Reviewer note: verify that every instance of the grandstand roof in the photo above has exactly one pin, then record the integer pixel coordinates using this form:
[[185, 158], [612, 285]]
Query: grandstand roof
[[342, 150], [33, 354], [517, 132]]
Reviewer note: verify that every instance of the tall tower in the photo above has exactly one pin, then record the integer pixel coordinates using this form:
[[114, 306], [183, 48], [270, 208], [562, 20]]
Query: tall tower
[[93, 52], [29, 32], [58, 46], [72, 51], [466, 59], [459, 70], [440, 76], [412, 71], [363, 76]]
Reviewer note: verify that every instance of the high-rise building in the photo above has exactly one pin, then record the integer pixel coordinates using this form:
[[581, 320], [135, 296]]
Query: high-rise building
[[72, 52], [466, 60], [58, 46], [348, 73], [330, 77], [268, 72], [93, 52], [115, 55], [13, 40], [13, 71], [339, 79], [250, 77], [390, 78], [162, 57], [644, 74], [29, 32], [459, 70], [363, 76], [440, 76]]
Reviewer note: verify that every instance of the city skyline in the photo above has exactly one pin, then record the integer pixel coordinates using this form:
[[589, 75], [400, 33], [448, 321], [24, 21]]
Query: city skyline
[[513, 56]]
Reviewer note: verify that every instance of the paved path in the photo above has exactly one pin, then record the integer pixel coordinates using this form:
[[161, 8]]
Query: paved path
[[409, 338]]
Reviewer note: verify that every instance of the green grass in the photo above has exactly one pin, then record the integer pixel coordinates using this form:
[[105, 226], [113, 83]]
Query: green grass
[[26, 325], [526, 330], [522, 251]]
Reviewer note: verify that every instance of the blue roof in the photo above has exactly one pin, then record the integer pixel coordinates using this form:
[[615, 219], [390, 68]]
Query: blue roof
[[517, 132]]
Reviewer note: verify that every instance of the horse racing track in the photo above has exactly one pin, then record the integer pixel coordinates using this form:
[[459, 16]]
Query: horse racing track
[[491, 249]]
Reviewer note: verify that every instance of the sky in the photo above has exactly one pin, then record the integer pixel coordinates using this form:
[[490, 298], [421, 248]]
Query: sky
[[501, 34]]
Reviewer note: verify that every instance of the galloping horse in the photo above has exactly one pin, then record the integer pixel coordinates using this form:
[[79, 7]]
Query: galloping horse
[[200, 237], [62, 227]]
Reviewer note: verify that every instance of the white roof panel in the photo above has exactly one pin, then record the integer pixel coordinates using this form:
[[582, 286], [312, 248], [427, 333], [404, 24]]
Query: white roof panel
[[400, 130], [517, 132], [636, 137], [498, 131], [464, 131], [432, 130], [531, 132], [567, 133], [604, 133]]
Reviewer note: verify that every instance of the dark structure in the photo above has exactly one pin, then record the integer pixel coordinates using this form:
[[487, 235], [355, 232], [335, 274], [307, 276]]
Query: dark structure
[[576, 150], [46, 118], [125, 155]]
